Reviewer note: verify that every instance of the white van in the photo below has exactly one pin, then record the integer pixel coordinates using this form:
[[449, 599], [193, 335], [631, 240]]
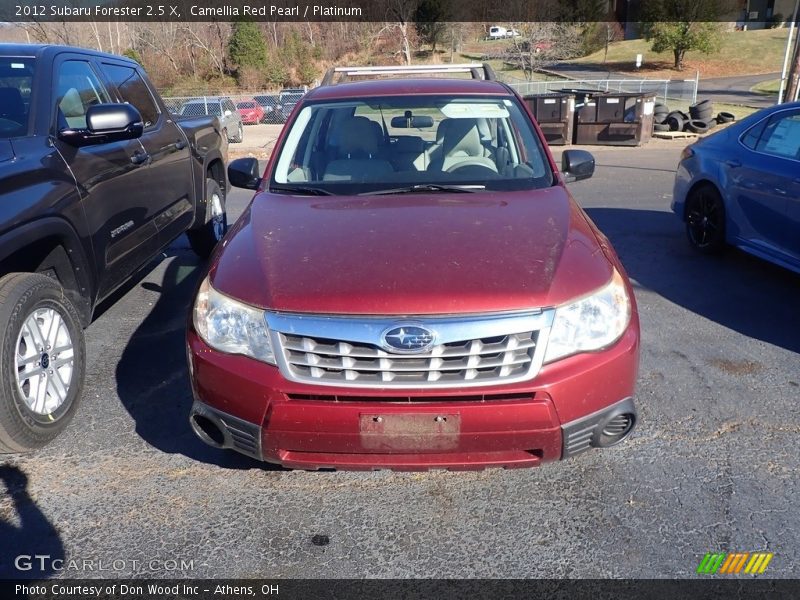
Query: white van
[[496, 33]]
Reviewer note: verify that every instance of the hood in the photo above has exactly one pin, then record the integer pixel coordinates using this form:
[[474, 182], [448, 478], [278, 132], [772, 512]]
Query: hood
[[411, 254]]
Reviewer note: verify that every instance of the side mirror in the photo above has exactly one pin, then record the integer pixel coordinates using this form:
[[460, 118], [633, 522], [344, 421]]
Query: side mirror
[[244, 173], [106, 123], [576, 165]]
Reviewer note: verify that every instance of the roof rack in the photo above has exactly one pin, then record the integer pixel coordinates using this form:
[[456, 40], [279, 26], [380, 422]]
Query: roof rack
[[477, 70]]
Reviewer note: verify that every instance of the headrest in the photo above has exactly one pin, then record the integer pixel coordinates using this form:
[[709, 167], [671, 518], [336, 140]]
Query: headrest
[[460, 135], [358, 138], [71, 104]]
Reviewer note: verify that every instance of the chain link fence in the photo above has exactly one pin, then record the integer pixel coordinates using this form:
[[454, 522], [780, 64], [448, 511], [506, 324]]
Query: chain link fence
[[253, 108], [664, 89]]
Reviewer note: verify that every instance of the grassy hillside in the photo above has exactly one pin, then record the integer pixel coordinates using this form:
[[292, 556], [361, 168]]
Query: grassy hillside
[[742, 53]]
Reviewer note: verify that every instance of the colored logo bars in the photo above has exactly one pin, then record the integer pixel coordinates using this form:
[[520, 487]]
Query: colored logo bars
[[734, 563]]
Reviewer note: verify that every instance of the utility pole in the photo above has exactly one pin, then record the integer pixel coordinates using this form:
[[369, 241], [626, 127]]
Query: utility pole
[[793, 81], [787, 53]]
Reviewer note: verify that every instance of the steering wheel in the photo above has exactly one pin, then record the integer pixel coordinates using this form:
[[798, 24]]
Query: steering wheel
[[473, 166]]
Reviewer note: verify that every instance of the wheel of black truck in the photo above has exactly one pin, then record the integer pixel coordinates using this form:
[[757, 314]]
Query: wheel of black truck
[[237, 139], [42, 361], [203, 239]]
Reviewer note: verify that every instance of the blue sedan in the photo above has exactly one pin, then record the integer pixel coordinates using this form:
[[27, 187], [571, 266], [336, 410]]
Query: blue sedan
[[741, 187]]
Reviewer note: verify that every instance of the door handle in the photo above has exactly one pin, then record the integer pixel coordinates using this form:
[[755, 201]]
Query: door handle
[[139, 158], [733, 163], [180, 145]]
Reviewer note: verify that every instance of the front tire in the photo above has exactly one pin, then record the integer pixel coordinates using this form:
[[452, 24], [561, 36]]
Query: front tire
[[42, 361], [237, 139], [205, 238], [705, 220]]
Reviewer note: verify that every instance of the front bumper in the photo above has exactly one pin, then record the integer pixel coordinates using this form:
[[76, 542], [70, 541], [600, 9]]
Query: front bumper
[[248, 406]]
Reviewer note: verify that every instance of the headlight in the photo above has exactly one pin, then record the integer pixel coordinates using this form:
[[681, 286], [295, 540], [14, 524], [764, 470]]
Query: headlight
[[230, 326], [590, 323]]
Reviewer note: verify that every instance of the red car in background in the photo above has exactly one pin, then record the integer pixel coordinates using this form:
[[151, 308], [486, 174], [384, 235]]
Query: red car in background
[[413, 287], [250, 111]]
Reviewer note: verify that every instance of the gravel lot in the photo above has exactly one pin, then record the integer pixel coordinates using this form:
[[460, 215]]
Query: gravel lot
[[710, 468]]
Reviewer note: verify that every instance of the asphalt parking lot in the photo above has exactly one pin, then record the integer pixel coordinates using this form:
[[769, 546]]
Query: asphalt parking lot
[[713, 465]]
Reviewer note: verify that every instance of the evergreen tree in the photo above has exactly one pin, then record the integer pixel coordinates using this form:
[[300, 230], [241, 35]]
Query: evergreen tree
[[247, 47]]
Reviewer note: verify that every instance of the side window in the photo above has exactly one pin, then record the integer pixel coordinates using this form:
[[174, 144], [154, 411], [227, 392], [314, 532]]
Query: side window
[[133, 90], [782, 136], [77, 88], [750, 138]]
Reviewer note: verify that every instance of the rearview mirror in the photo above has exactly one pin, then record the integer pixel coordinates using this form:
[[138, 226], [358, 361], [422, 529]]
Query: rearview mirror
[[420, 122], [244, 173], [106, 123], [576, 165]]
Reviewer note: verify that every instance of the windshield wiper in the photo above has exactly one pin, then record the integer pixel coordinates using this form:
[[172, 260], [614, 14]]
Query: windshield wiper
[[303, 190], [426, 187]]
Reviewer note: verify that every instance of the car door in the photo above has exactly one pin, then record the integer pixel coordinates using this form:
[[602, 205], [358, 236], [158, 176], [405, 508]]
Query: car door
[[781, 142], [232, 118], [168, 168], [110, 176], [764, 180]]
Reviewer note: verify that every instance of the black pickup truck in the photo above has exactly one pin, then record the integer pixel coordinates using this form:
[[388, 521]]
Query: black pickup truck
[[96, 178]]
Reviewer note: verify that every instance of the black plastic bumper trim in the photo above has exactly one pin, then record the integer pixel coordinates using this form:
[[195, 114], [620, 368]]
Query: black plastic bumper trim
[[584, 433], [240, 435]]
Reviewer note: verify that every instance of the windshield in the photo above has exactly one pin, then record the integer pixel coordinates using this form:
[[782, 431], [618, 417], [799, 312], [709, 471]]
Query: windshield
[[369, 145], [196, 109], [246, 105], [16, 76]]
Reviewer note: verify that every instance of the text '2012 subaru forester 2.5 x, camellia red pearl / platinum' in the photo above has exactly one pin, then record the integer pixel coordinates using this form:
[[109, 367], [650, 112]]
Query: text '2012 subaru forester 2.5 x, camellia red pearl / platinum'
[[413, 287]]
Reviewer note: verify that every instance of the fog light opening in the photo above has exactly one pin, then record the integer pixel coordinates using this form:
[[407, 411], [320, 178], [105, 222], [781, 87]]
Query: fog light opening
[[208, 431], [616, 429]]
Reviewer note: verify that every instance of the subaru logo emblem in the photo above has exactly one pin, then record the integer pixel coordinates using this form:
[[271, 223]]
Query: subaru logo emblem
[[408, 339]]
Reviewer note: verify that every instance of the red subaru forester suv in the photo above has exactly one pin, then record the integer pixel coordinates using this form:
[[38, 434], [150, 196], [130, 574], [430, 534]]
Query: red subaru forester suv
[[413, 287]]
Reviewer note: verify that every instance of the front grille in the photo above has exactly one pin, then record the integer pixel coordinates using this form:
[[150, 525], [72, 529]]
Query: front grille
[[483, 360]]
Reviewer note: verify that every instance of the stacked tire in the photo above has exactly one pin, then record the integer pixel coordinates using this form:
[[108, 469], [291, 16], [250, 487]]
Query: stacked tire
[[660, 114], [677, 120], [700, 118]]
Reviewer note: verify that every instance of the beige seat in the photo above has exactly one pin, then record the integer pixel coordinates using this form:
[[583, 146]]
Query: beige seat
[[459, 141], [358, 154]]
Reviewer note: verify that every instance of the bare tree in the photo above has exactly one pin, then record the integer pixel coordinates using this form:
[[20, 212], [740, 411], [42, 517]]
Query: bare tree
[[401, 13], [542, 43], [612, 32], [209, 39]]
